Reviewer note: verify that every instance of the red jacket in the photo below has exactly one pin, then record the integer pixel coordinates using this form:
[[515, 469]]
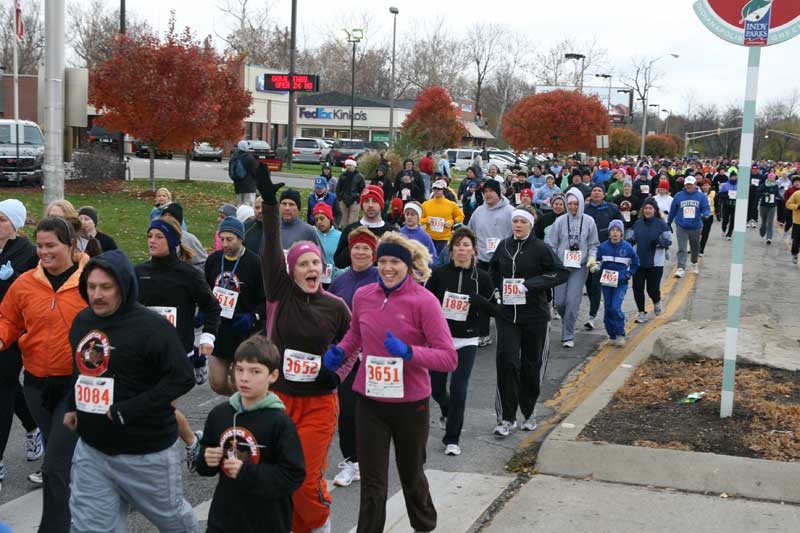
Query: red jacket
[[426, 165]]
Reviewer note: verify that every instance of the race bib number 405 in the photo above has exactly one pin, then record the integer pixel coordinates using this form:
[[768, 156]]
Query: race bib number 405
[[227, 301], [94, 395], [384, 377], [300, 366], [609, 278]]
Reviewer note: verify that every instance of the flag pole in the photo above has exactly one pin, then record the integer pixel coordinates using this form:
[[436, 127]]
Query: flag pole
[[17, 21]]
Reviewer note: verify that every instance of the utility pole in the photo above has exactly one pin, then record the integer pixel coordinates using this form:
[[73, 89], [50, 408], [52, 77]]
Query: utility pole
[[121, 147], [354, 36], [292, 103], [394, 11], [54, 45]]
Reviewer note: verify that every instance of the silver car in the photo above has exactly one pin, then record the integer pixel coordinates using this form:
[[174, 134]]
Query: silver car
[[206, 151], [310, 150]]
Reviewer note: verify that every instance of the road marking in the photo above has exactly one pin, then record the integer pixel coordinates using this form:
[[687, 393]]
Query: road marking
[[460, 499]]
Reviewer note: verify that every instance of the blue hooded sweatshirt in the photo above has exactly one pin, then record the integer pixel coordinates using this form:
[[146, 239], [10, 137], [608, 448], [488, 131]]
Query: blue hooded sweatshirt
[[652, 237], [600, 177], [686, 203]]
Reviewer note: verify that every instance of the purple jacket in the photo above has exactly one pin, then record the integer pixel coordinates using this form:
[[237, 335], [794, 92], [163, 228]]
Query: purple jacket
[[413, 315]]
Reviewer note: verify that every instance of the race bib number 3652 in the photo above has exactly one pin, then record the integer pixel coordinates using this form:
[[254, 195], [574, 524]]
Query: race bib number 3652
[[300, 366], [384, 377], [94, 394]]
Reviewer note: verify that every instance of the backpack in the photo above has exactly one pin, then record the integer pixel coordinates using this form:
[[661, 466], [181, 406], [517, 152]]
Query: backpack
[[236, 169]]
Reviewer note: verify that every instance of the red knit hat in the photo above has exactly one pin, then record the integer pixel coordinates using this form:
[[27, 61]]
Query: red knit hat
[[663, 184], [526, 192], [374, 192], [397, 206], [365, 238], [325, 209]]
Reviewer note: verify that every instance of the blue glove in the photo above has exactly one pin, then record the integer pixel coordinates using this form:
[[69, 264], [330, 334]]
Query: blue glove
[[242, 323], [397, 347], [333, 358], [6, 271]]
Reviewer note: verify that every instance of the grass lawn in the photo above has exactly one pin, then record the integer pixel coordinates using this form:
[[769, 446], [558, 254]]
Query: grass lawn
[[124, 208]]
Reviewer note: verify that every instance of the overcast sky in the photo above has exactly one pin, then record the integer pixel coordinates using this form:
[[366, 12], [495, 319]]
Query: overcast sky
[[712, 69]]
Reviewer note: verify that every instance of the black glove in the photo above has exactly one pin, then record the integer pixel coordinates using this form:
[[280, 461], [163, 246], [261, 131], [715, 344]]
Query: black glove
[[266, 187], [327, 379]]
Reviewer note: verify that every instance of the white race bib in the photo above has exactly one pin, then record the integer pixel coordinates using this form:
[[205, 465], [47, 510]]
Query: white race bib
[[436, 224], [688, 211], [406, 193], [573, 258], [384, 377], [732, 195], [491, 244], [455, 306], [94, 394], [513, 291], [771, 199], [517, 198], [327, 274], [645, 189], [626, 216], [755, 182], [227, 301], [300, 366], [609, 278], [286, 259], [170, 313]]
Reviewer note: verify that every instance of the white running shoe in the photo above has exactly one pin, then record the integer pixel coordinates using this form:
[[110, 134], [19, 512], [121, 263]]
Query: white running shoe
[[618, 342], [642, 318], [349, 472], [589, 324], [34, 445], [568, 344], [36, 477], [505, 428], [484, 341], [695, 268], [452, 449], [530, 424], [193, 452], [658, 308], [680, 273]]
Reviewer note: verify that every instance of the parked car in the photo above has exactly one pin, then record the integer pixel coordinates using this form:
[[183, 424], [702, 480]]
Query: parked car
[[461, 159], [206, 151], [102, 137], [141, 149], [21, 161], [377, 145], [310, 150], [260, 149], [346, 148]]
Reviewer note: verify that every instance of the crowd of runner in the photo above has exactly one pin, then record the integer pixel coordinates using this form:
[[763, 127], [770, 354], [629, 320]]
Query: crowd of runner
[[400, 277]]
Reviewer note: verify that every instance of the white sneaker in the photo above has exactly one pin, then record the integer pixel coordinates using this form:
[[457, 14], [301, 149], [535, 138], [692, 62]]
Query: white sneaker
[[36, 477], [700, 254], [728, 238], [505, 428], [484, 341], [349, 472], [695, 268], [324, 528], [530, 424], [452, 449], [642, 318], [618, 342], [193, 452], [589, 324], [568, 344], [680, 273], [34, 445], [658, 308]]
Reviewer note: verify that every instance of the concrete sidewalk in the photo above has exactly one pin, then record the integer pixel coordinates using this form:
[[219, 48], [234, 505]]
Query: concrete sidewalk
[[554, 504]]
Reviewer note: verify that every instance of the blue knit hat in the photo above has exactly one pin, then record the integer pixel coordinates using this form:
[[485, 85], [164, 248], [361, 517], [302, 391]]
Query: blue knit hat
[[616, 224], [232, 225]]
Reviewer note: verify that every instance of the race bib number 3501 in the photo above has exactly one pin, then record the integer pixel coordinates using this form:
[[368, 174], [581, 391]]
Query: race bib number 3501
[[94, 395], [513, 291], [384, 377]]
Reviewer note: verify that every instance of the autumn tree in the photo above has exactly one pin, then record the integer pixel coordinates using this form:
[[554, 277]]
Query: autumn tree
[[622, 141], [661, 145], [556, 121], [433, 123], [168, 94]]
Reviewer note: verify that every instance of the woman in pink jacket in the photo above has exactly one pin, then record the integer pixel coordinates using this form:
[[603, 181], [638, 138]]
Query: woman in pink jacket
[[401, 330]]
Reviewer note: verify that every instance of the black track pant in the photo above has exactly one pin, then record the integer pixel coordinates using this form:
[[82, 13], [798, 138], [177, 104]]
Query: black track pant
[[522, 354]]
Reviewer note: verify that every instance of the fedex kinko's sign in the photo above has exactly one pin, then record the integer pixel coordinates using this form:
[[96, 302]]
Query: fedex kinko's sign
[[751, 22]]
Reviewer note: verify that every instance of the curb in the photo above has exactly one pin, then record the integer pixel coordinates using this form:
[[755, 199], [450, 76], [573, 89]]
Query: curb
[[561, 454]]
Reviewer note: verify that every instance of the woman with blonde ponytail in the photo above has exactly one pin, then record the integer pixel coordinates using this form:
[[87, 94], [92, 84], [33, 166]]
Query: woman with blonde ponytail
[[400, 329]]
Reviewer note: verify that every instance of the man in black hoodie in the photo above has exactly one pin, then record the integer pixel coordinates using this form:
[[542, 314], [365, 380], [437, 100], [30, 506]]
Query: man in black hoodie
[[129, 367]]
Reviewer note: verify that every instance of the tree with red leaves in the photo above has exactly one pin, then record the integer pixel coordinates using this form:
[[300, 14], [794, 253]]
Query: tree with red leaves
[[433, 123], [661, 145], [169, 94], [623, 141], [556, 121]]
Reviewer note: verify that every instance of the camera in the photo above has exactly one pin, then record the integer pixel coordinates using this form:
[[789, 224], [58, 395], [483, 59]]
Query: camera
[[574, 247]]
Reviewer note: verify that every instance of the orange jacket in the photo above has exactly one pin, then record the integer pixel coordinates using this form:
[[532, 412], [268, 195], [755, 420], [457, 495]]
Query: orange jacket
[[40, 320]]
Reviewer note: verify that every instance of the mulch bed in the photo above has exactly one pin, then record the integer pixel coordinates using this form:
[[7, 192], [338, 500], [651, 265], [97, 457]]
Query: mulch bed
[[647, 411]]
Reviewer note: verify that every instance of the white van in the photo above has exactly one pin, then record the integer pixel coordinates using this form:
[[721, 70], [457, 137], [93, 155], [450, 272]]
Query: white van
[[21, 161], [461, 159]]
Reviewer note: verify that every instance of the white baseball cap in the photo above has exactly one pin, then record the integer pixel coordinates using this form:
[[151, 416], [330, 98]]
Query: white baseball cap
[[690, 180]]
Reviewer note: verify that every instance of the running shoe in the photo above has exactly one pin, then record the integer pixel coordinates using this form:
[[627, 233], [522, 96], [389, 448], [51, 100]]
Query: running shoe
[[36, 477], [618, 342], [568, 344], [193, 452], [200, 365], [505, 428], [452, 449], [2, 471], [642, 318], [695, 268], [794, 259], [348, 473], [728, 237], [485, 341], [34, 445], [658, 308], [680, 273], [589, 324], [769, 241], [530, 424]]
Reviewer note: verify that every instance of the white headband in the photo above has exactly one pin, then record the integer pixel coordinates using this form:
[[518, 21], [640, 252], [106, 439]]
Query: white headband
[[414, 207], [524, 214]]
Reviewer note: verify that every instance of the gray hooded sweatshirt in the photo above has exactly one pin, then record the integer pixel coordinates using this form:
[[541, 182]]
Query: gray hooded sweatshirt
[[566, 224], [491, 222]]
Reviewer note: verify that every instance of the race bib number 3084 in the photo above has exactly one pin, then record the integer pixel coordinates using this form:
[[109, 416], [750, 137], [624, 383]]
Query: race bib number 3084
[[94, 395]]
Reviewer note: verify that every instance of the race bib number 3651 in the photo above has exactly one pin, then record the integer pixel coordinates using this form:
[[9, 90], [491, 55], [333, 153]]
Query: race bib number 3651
[[384, 377], [94, 395]]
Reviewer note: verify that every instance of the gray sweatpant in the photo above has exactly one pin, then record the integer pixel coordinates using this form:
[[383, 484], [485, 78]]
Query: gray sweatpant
[[567, 298], [690, 236], [767, 216], [104, 487]]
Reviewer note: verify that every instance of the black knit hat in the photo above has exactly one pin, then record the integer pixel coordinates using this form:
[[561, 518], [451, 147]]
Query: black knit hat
[[294, 196], [493, 185], [90, 212]]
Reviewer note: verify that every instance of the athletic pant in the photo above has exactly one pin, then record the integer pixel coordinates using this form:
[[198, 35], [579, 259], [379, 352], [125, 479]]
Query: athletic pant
[[406, 425], [483, 319], [707, 223], [752, 206], [795, 239], [651, 278], [690, 237], [349, 214], [60, 442], [568, 297], [728, 216], [246, 198], [593, 290], [781, 210], [315, 418], [454, 403], [767, 216], [347, 416], [105, 487], [718, 206], [613, 317], [12, 400], [439, 245], [522, 354]]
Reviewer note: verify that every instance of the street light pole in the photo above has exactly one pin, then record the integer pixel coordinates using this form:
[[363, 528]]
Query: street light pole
[[394, 11], [292, 104], [608, 77], [583, 66], [353, 36], [666, 122], [121, 147]]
